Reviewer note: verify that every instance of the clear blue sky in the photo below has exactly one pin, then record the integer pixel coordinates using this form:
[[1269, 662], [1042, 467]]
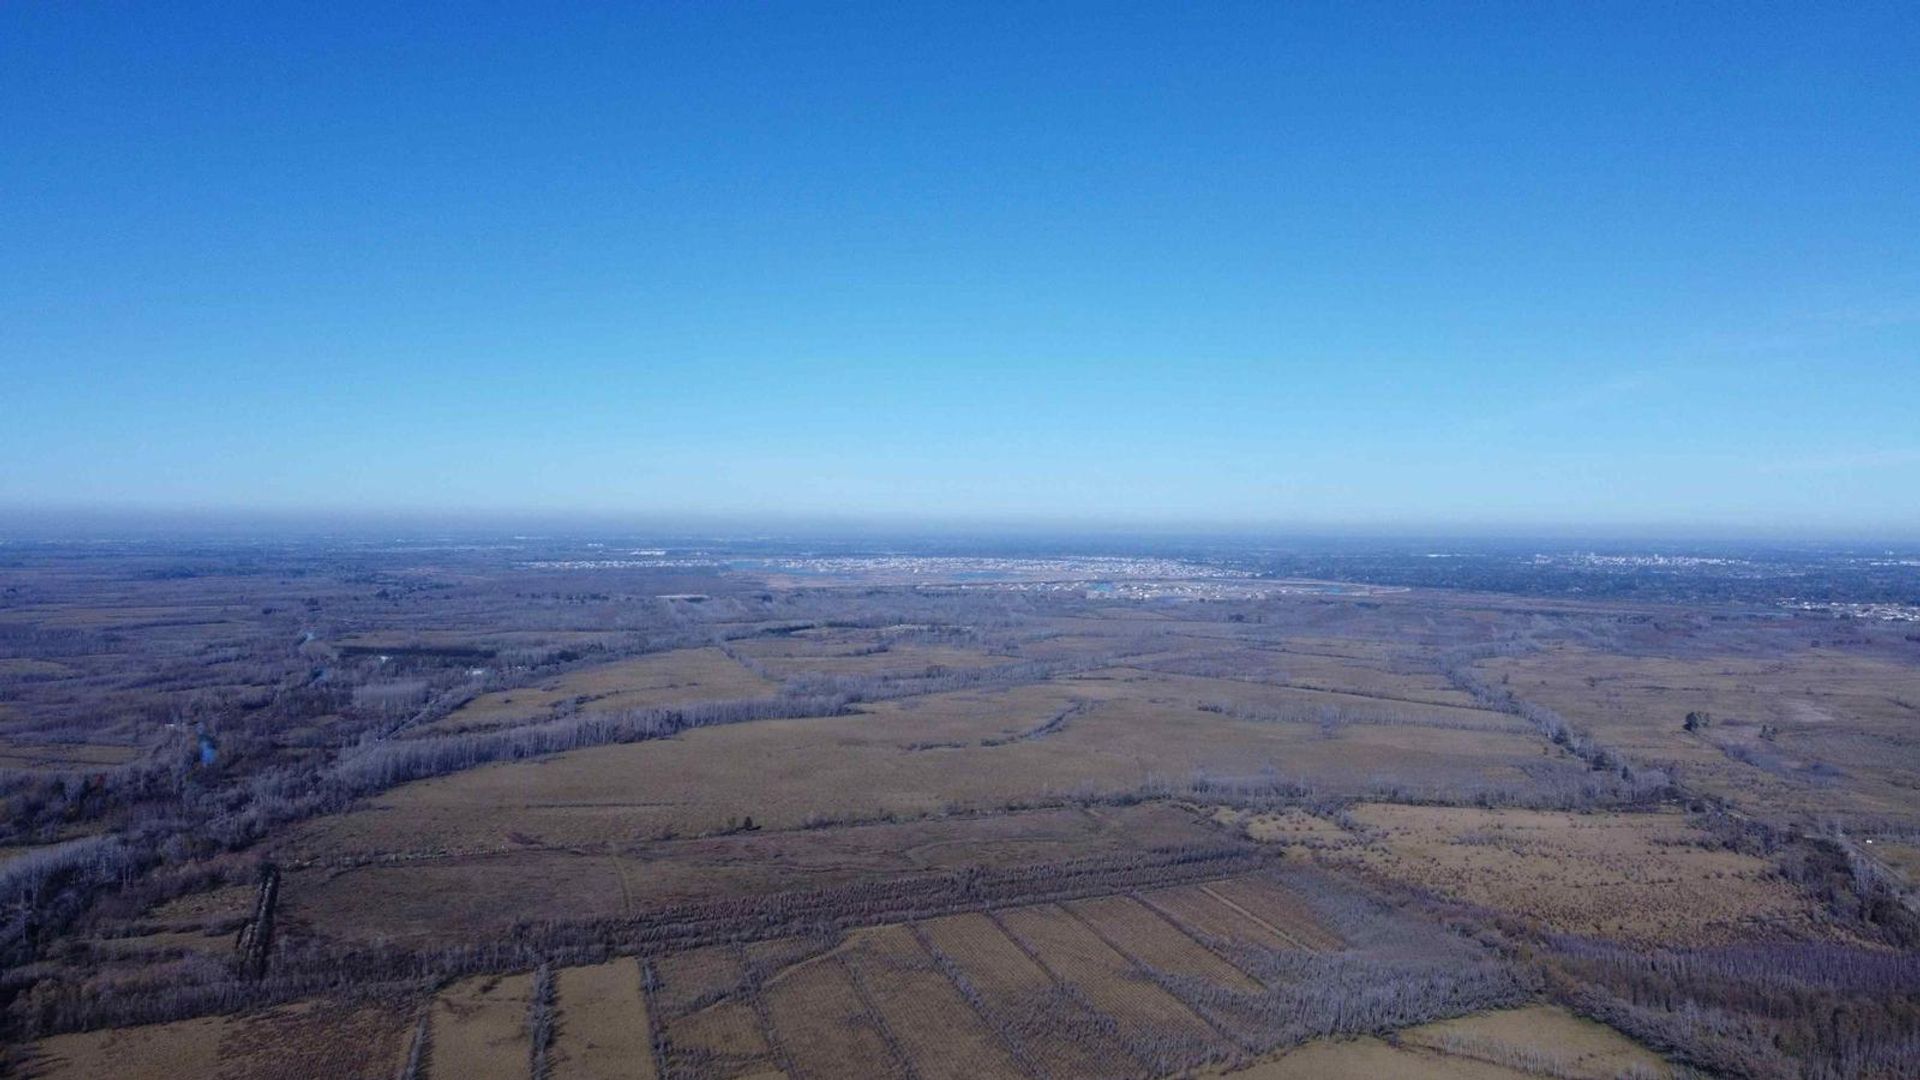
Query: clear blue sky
[[1476, 265]]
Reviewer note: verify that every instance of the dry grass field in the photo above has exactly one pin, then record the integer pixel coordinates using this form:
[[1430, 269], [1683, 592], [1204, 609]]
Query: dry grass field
[[1288, 826], [1014, 993], [1370, 1058], [1106, 986], [1075, 954], [922, 1012], [1538, 1040], [64, 757], [1646, 878], [921, 756], [418, 896], [1818, 733], [845, 652], [1508, 1044], [295, 1042], [672, 678], [825, 1025], [479, 1028], [603, 1033], [495, 815]]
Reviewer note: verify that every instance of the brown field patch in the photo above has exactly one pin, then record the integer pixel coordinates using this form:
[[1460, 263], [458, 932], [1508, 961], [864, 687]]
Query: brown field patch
[[1075, 954], [843, 653], [1148, 937], [911, 760], [1370, 678], [1369, 1058], [480, 1028], [441, 895], [1289, 826], [17, 667], [156, 1051], [1638, 877], [1278, 907], [822, 1026], [1051, 1028], [940, 1034], [1902, 856], [682, 676], [602, 1030], [694, 978], [1838, 741], [721, 1041], [1540, 1039], [293, 1042], [1200, 911]]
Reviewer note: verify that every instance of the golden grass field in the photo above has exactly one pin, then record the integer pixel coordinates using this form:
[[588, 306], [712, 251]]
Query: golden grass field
[[479, 1028], [1841, 743], [1511, 1044], [922, 756], [293, 1042], [1052, 989], [603, 1031], [1639, 877], [417, 897], [667, 883], [679, 677]]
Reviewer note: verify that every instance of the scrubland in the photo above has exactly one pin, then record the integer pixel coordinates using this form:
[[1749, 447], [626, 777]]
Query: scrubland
[[378, 814]]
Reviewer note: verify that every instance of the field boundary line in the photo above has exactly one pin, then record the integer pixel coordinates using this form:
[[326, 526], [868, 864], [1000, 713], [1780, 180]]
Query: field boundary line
[[1070, 991], [1282, 934], [901, 1059], [1196, 937], [753, 990], [650, 1010], [969, 993], [1141, 968]]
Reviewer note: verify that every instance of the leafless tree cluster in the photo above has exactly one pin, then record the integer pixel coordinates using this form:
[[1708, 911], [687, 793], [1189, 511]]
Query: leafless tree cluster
[[1809, 1011], [1049, 726], [307, 967], [540, 1024]]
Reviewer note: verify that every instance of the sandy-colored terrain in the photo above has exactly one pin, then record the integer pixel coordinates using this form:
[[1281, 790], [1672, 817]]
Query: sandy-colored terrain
[[1634, 877]]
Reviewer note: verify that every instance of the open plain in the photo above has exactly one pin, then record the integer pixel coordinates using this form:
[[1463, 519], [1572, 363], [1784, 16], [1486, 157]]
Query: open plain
[[491, 812]]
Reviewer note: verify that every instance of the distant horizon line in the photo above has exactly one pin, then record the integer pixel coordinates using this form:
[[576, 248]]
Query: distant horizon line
[[44, 522]]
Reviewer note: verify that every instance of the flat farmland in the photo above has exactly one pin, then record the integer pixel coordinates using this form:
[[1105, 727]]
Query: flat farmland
[[1041, 1019], [1505, 1044], [825, 1025], [844, 652], [379, 805], [292, 1042], [1408, 680], [923, 1012], [1203, 913], [691, 980], [1647, 877], [1811, 732], [442, 895], [682, 676], [1077, 955], [603, 1033], [725, 1039], [1100, 987], [479, 1028], [918, 756]]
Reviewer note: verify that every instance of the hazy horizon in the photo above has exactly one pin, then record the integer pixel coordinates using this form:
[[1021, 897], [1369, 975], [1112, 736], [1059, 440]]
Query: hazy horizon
[[69, 523]]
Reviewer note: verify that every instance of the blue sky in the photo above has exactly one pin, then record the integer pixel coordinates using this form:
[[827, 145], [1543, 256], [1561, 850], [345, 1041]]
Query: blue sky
[[1274, 264]]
